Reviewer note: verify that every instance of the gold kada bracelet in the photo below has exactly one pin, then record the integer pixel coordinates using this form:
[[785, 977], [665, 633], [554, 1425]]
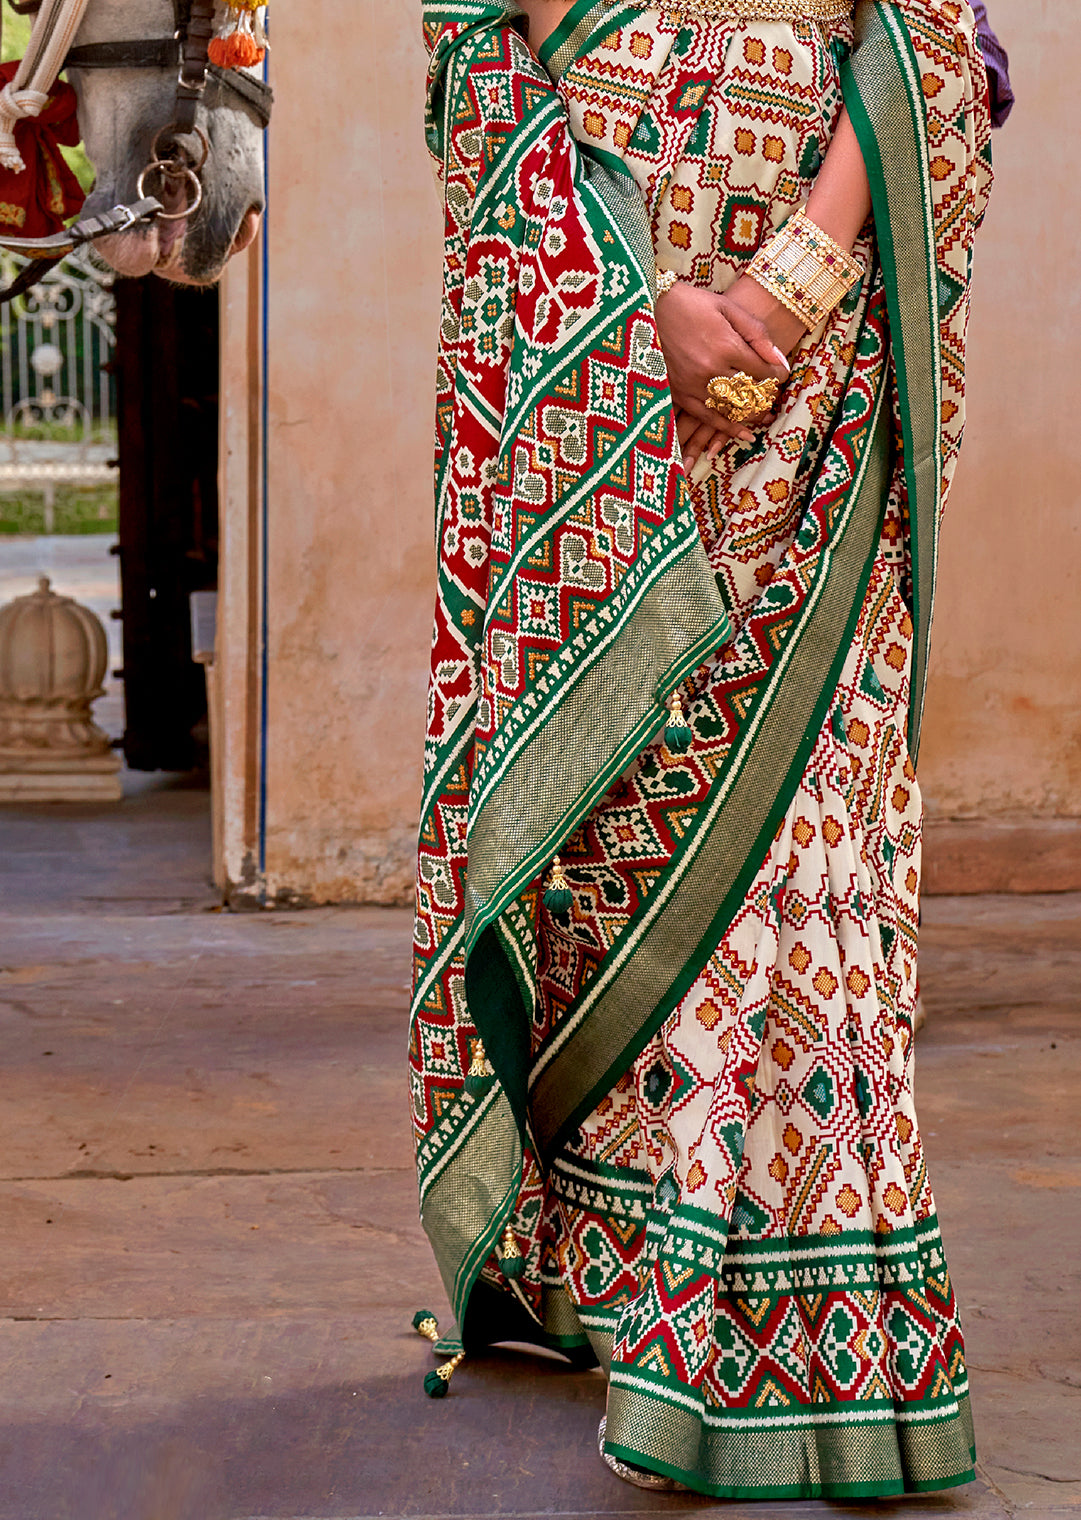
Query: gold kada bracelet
[[805, 269]]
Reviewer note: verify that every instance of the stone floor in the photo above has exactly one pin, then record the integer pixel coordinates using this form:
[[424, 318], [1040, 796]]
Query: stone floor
[[210, 1252]]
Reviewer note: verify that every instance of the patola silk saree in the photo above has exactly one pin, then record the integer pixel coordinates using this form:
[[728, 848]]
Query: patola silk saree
[[688, 1148]]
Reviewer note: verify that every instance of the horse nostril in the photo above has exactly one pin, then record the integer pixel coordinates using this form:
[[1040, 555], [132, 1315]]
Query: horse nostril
[[189, 148], [249, 226]]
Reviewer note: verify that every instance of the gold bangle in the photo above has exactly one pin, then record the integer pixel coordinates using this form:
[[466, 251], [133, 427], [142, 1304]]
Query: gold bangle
[[666, 278], [805, 269]]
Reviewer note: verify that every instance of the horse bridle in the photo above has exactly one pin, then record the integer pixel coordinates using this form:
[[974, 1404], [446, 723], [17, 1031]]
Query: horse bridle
[[185, 51], [198, 80]]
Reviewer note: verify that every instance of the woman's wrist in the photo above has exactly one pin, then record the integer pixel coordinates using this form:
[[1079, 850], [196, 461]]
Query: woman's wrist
[[785, 329], [805, 269]]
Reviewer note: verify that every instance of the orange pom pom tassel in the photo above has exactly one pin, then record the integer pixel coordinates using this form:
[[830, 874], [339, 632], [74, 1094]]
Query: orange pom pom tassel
[[239, 48], [236, 51]]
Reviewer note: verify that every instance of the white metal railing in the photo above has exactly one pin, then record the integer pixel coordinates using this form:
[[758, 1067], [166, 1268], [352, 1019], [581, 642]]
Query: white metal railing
[[55, 343]]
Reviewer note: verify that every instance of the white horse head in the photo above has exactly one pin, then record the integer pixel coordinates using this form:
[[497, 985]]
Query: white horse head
[[121, 111]]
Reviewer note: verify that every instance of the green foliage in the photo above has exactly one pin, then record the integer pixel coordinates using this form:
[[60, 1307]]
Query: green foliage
[[61, 432], [16, 36], [78, 509], [80, 166]]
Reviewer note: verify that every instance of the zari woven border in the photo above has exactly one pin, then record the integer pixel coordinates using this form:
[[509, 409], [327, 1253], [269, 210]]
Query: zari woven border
[[754, 10], [883, 92]]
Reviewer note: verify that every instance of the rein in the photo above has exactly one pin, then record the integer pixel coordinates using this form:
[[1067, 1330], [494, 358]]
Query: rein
[[198, 80]]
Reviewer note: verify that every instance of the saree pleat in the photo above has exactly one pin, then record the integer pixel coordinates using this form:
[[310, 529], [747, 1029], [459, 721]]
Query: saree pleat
[[700, 1129]]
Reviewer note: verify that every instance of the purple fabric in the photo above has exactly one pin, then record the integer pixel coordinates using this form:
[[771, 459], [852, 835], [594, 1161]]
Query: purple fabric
[[998, 66]]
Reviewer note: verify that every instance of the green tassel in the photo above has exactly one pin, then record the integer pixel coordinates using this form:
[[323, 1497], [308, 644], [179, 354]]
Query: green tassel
[[437, 1383], [677, 733], [480, 1076], [558, 897], [425, 1317], [512, 1262], [677, 738]]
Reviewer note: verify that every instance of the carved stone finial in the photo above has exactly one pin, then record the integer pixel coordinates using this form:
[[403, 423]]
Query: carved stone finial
[[53, 658]]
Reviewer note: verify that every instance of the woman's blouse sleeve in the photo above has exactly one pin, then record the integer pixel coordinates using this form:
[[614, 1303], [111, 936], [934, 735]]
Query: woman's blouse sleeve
[[998, 66]]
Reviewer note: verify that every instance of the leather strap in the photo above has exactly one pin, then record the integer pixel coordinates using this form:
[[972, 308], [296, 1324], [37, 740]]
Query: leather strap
[[85, 230], [194, 44], [142, 53], [47, 251], [164, 53], [255, 93]]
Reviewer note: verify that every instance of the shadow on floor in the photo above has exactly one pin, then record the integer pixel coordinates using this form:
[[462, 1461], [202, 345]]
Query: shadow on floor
[[149, 853], [518, 1441]]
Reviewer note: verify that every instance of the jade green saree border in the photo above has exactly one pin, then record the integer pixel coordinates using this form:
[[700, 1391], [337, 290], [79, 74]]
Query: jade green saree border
[[489, 1150], [570, 38], [681, 619], [501, 866], [880, 72], [496, 998], [692, 1481], [911, 1456], [574, 1080], [885, 1490]]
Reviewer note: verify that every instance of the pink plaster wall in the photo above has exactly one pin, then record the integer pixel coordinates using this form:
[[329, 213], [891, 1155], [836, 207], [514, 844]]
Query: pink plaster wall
[[1003, 726], [354, 267], [353, 258]]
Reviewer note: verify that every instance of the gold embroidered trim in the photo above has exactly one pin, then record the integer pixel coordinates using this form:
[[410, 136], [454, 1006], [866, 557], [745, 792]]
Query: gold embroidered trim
[[753, 10]]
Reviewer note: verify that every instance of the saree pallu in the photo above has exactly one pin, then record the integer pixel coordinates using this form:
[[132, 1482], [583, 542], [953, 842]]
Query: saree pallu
[[694, 1154]]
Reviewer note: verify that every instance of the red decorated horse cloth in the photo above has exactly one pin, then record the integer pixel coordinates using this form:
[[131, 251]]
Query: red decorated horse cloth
[[699, 1156], [42, 197]]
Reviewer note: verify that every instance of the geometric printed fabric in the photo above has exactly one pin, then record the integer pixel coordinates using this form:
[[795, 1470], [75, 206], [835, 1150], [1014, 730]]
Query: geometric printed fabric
[[743, 1225], [797, 1277]]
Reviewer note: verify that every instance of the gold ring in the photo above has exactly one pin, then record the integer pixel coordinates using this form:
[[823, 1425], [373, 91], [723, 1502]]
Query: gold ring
[[739, 398]]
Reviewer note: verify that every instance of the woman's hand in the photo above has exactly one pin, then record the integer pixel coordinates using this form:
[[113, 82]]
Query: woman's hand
[[747, 328], [703, 334]]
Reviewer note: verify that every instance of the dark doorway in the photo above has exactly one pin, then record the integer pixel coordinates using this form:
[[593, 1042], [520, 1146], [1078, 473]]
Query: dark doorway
[[167, 412]]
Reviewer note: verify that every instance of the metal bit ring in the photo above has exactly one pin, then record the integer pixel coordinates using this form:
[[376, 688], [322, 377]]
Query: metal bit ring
[[171, 168]]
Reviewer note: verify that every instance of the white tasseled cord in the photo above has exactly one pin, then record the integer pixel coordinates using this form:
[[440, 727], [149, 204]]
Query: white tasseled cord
[[54, 30]]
